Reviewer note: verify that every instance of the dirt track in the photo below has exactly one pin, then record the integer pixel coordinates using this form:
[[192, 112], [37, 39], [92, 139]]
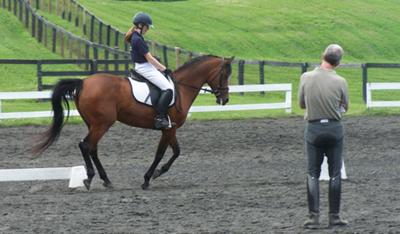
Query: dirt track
[[232, 177]]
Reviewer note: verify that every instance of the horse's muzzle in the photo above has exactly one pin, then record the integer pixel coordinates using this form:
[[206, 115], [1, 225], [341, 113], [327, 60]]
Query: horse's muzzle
[[221, 101]]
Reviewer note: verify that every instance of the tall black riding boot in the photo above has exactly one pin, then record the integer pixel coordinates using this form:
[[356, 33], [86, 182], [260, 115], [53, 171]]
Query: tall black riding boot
[[335, 188], [161, 120], [313, 203]]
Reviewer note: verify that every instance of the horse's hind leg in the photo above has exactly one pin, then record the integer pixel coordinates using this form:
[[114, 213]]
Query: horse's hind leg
[[88, 148], [162, 146], [176, 151], [84, 147], [95, 134], [107, 183]]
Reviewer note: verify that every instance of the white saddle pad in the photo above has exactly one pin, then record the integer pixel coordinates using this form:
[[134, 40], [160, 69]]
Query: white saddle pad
[[141, 92]]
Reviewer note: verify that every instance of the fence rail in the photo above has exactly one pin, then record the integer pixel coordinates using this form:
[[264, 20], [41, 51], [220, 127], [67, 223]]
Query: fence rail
[[287, 104], [381, 86]]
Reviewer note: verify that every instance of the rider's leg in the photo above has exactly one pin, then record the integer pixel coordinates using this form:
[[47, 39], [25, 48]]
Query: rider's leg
[[161, 120], [154, 76]]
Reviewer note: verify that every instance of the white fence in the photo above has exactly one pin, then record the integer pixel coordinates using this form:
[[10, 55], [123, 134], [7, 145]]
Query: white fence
[[27, 95], [381, 86], [287, 104]]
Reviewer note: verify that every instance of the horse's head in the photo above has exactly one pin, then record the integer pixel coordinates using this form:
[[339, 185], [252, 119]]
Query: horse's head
[[219, 81]]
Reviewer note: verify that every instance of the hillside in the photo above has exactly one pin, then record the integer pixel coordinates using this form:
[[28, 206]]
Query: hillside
[[17, 43], [267, 29]]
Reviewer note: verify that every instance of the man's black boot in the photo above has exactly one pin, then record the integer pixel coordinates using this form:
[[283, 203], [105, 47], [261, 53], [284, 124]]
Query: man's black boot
[[313, 203], [335, 188]]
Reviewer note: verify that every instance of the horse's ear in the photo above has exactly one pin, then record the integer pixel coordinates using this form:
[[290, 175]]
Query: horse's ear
[[230, 59]]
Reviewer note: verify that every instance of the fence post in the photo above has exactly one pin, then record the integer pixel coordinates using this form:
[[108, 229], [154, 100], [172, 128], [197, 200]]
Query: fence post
[[62, 44], [69, 11], [20, 10], [177, 57], [87, 51], [15, 7], [304, 67], [364, 67], [33, 24], [4, 4], [54, 40], [9, 5], [126, 46], [241, 74], [108, 39], [70, 45], [100, 33], [91, 38], [37, 5], [190, 56], [262, 77], [78, 55], [84, 27], [106, 53], [40, 30], [39, 75], [95, 54], [26, 16], [45, 34], [63, 10], [77, 15], [94, 67], [165, 55]]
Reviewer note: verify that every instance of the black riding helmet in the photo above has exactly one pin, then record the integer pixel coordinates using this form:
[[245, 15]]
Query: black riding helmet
[[142, 18]]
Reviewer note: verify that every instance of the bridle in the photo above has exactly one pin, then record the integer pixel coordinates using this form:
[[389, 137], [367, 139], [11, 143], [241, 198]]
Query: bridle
[[218, 90]]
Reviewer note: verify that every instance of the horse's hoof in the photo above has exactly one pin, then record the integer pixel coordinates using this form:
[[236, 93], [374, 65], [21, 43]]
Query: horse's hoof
[[156, 173], [86, 182], [108, 185], [145, 186]]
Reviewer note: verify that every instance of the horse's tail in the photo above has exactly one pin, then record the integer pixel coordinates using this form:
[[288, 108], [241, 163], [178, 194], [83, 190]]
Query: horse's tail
[[67, 88]]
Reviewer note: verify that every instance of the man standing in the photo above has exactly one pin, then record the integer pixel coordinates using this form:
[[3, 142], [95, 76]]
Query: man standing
[[324, 95]]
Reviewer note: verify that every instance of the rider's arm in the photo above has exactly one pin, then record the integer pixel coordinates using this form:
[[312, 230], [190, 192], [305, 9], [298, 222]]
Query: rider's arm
[[154, 62]]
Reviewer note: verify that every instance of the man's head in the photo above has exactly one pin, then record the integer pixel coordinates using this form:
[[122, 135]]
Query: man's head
[[333, 54]]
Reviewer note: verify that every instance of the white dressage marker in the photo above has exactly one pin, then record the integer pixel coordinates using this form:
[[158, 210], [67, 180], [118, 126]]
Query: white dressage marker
[[325, 174], [75, 175]]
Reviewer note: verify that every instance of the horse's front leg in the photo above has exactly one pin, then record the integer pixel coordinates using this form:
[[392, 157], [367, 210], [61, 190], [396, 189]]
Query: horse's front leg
[[176, 152], [162, 146]]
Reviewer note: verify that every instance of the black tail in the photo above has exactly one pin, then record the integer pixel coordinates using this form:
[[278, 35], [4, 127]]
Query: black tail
[[62, 90]]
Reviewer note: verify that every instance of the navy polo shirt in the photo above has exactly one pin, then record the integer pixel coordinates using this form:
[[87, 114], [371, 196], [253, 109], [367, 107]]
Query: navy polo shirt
[[139, 48]]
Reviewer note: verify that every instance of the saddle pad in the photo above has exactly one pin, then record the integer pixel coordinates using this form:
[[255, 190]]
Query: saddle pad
[[143, 93]]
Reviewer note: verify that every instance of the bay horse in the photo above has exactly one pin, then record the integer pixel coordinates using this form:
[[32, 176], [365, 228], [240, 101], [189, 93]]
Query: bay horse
[[102, 99]]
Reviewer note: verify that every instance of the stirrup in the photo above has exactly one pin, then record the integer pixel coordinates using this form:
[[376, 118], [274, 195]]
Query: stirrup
[[161, 123]]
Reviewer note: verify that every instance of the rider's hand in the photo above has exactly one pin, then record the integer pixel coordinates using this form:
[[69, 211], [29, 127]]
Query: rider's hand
[[168, 72]]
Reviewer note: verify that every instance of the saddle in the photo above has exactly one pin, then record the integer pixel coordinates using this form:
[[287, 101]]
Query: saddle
[[146, 92]]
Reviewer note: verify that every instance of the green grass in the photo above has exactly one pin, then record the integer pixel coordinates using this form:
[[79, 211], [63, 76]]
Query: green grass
[[267, 29]]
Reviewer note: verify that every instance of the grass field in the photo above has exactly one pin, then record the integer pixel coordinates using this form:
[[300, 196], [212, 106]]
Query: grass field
[[271, 30], [267, 29]]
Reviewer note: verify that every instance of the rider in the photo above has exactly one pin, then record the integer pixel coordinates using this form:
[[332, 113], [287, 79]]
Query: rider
[[149, 67]]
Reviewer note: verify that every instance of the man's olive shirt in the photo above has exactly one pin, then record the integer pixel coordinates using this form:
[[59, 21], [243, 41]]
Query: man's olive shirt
[[324, 94]]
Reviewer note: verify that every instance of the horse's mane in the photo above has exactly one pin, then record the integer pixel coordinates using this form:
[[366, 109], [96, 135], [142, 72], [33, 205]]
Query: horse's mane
[[195, 61]]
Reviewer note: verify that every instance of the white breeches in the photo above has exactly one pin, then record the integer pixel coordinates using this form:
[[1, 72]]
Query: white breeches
[[153, 75]]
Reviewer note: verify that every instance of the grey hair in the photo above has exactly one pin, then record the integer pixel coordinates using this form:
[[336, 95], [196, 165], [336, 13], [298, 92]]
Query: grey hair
[[333, 54]]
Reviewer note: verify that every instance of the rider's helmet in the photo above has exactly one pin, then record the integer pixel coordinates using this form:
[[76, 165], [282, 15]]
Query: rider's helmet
[[142, 18]]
